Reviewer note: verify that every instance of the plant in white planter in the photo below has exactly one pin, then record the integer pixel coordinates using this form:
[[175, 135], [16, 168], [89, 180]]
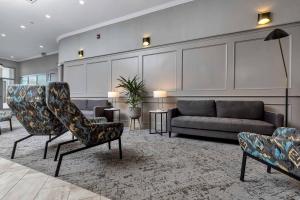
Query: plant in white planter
[[134, 89]]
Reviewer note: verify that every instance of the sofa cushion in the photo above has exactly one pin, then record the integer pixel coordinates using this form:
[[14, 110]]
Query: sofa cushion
[[80, 104], [197, 108], [240, 109], [223, 124], [93, 103]]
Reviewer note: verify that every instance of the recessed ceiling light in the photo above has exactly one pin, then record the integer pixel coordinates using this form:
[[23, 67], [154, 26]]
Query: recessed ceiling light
[[12, 57], [81, 2], [48, 16], [23, 27], [3, 35], [41, 46]]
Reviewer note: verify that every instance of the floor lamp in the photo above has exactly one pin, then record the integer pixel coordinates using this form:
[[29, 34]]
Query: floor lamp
[[277, 34]]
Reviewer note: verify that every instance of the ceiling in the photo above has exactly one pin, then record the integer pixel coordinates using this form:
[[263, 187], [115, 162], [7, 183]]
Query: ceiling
[[66, 17]]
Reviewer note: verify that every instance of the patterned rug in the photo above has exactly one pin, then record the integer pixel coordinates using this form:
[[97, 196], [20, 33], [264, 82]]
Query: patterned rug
[[155, 167]]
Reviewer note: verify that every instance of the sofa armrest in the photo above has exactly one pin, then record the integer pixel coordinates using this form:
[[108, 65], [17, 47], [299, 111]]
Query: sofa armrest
[[171, 114], [274, 118], [100, 112]]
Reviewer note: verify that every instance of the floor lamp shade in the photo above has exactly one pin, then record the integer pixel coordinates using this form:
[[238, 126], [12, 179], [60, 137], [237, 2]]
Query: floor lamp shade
[[277, 34]]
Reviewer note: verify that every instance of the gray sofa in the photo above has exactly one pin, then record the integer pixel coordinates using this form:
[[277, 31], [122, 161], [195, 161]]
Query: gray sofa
[[94, 108], [222, 119]]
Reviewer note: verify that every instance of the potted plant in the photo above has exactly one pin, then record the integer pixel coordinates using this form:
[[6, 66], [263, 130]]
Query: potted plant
[[134, 89]]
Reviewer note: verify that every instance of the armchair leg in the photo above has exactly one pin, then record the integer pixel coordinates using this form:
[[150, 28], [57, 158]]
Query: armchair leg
[[15, 145], [170, 134], [60, 144], [74, 151], [243, 166], [109, 146], [46, 145], [269, 169], [120, 148], [10, 124]]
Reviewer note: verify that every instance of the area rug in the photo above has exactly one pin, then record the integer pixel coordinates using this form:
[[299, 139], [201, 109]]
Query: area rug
[[155, 167]]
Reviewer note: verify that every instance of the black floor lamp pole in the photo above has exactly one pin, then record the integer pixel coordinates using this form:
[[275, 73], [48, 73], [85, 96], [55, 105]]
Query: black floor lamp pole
[[277, 34], [287, 87]]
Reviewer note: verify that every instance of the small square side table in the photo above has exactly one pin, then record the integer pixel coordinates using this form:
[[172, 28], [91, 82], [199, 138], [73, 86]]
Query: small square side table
[[155, 113], [114, 110]]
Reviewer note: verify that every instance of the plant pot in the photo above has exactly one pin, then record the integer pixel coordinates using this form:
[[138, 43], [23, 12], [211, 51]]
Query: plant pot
[[135, 113]]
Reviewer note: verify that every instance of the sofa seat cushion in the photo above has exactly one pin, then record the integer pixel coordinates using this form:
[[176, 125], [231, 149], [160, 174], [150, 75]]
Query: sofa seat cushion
[[223, 124]]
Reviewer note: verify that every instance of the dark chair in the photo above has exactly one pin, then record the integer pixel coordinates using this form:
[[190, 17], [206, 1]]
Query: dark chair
[[85, 131], [28, 104], [281, 151], [6, 115]]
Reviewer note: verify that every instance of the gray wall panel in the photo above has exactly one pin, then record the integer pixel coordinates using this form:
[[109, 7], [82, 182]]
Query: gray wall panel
[[201, 72]]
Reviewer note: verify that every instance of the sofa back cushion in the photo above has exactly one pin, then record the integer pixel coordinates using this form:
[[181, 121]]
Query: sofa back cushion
[[205, 108], [92, 103], [80, 103], [240, 109]]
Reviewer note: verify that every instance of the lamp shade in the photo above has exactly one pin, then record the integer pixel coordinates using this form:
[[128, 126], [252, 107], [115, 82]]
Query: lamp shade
[[159, 94], [276, 34], [112, 94]]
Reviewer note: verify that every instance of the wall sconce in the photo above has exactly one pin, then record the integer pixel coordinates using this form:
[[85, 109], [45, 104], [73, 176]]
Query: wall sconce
[[264, 18], [146, 41], [81, 53]]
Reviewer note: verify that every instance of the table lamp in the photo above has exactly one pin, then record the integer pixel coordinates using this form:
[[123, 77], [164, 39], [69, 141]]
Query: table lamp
[[160, 94], [113, 95]]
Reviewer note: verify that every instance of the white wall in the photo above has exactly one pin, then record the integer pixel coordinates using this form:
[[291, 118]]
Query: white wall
[[39, 65], [233, 66], [198, 19]]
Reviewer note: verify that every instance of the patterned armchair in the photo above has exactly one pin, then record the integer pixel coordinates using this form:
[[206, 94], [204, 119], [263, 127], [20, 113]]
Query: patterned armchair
[[86, 131], [280, 151], [28, 104]]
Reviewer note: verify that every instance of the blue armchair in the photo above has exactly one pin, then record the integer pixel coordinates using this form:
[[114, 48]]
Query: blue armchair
[[281, 151]]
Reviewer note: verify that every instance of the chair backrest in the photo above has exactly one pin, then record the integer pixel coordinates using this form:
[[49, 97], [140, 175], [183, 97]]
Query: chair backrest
[[28, 103], [59, 102]]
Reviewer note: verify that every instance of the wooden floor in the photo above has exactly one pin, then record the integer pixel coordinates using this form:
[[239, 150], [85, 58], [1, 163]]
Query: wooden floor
[[19, 182]]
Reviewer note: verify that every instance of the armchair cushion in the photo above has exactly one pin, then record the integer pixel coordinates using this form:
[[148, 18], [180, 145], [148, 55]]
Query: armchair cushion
[[88, 133], [28, 104], [277, 151]]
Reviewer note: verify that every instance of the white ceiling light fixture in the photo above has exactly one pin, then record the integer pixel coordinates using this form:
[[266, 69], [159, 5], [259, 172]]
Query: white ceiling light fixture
[[48, 16], [81, 2], [23, 27], [3, 35], [41, 46], [31, 1], [12, 57]]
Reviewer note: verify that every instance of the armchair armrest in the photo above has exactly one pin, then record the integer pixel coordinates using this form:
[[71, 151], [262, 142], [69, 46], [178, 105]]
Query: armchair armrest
[[100, 112], [274, 118], [171, 114]]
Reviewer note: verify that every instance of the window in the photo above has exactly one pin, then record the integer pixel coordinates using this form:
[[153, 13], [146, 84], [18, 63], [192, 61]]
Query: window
[[38, 79], [7, 76]]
